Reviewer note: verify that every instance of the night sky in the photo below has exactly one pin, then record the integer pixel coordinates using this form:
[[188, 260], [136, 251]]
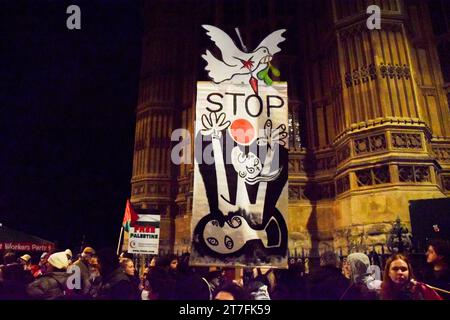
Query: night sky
[[67, 101]]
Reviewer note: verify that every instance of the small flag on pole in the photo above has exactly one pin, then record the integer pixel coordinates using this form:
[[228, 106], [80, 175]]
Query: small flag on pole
[[129, 216]]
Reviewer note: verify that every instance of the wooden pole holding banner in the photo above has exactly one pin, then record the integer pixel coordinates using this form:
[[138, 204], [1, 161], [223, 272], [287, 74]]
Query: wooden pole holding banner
[[142, 264], [120, 240], [437, 289], [239, 275]]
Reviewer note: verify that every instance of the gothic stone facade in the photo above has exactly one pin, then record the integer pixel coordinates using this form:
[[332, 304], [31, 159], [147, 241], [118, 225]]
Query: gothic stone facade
[[369, 113]]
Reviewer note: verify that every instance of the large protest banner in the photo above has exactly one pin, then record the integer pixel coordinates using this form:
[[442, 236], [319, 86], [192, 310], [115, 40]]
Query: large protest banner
[[240, 200]]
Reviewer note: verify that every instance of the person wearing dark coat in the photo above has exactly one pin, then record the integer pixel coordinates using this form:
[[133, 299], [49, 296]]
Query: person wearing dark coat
[[192, 287], [115, 283], [328, 282], [53, 284], [161, 283], [128, 267], [13, 278], [290, 283], [83, 263], [438, 273], [231, 291]]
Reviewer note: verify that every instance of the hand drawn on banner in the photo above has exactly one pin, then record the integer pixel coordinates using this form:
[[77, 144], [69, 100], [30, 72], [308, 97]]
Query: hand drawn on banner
[[240, 198], [243, 185]]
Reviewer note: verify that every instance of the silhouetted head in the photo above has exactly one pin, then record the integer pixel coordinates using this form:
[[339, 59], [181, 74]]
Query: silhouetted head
[[107, 261]]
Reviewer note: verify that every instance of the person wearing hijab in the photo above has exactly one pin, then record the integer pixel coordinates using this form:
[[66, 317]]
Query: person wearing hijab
[[360, 279]]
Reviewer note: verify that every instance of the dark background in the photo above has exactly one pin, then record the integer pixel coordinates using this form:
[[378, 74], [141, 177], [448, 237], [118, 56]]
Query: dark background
[[67, 101], [425, 214]]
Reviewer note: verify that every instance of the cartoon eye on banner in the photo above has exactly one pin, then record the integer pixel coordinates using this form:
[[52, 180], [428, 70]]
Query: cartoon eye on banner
[[240, 202]]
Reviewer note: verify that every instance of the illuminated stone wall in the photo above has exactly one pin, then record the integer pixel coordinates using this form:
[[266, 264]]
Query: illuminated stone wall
[[369, 114]]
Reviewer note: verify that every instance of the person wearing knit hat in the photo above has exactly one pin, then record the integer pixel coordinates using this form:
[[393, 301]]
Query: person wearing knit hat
[[42, 265], [53, 284], [26, 258], [58, 261], [89, 250], [68, 253], [25, 261], [83, 263]]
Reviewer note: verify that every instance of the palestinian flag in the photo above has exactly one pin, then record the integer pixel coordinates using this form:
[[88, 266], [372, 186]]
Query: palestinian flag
[[129, 216]]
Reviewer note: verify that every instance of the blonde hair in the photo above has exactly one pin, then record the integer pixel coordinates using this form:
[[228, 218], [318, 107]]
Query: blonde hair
[[125, 261]]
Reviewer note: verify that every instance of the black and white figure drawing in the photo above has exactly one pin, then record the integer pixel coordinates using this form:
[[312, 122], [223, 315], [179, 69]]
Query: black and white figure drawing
[[240, 199]]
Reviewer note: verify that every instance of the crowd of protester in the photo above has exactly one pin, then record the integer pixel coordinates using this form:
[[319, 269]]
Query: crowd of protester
[[102, 275]]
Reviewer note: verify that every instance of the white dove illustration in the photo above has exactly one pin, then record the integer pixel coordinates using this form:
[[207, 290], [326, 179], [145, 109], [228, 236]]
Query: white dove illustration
[[237, 65]]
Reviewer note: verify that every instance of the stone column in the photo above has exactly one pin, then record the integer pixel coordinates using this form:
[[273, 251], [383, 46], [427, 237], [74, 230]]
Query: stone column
[[165, 66], [366, 111]]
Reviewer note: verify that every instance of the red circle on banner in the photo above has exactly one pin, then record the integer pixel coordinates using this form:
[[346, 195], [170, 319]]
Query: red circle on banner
[[242, 131]]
